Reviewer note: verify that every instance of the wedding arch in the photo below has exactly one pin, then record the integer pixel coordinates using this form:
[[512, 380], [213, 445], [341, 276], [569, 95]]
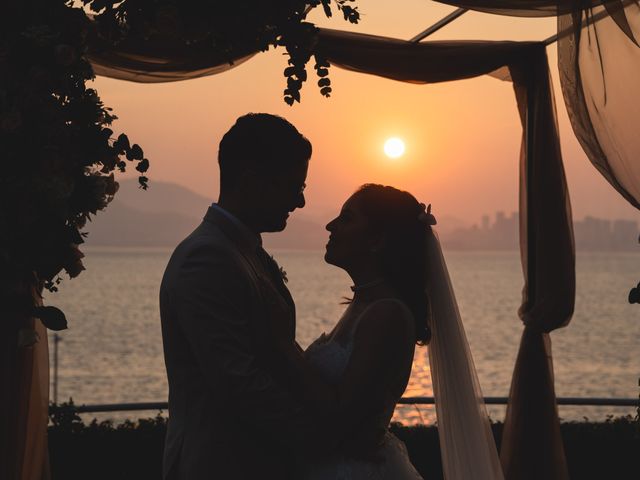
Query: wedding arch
[[598, 48]]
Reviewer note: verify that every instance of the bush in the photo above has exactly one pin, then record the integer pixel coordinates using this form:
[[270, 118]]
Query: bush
[[133, 450]]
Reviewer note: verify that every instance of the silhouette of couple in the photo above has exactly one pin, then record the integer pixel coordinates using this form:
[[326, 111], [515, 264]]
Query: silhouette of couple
[[245, 401]]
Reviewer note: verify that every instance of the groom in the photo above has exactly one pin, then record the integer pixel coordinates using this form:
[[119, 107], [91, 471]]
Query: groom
[[232, 415]]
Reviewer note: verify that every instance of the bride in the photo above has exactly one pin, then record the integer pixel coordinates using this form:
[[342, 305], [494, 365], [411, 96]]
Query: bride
[[354, 376]]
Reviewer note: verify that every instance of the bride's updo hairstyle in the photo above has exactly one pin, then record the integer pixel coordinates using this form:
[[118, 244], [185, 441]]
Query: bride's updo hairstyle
[[395, 214]]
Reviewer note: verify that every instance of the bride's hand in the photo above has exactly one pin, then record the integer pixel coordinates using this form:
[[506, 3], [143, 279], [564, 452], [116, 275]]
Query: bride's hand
[[323, 338]]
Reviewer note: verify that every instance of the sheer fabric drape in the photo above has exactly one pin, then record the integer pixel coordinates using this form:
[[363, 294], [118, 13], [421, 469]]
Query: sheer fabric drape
[[531, 442], [599, 63], [24, 399], [599, 70], [158, 62]]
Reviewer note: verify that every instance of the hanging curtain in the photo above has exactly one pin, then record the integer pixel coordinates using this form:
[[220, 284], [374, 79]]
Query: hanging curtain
[[599, 64], [159, 61], [531, 442], [24, 400], [521, 8]]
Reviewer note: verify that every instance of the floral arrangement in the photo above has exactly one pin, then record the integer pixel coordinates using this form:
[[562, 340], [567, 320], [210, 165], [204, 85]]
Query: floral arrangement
[[58, 153], [226, 26]]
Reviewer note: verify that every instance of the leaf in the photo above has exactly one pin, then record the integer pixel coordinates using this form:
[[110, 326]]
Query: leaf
[[322, 72], [106, 133], [143, 182], [288, 100], [321, 62], [122, 143], [325, 91], [143, 165], [350, 14], [634, 295], [294, 84], [326, 8], [324, 82], [51, 317], [73, 235], [135, 153]]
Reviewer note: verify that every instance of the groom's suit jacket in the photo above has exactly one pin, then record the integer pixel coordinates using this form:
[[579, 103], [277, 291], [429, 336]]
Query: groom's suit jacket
[[230, 414]]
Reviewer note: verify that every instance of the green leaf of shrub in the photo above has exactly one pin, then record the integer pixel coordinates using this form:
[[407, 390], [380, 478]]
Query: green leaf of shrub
[[51, 317]]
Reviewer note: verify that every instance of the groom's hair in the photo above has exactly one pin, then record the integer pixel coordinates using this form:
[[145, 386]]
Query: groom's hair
[[260, 143]]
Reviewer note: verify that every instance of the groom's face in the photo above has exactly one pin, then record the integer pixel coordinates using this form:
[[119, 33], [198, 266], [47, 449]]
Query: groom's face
[[280, 195]]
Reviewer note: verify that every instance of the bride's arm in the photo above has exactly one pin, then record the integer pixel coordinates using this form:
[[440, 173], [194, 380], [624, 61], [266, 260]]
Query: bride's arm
[[383, 343], [318, 394], [310, 386], [382, 351]]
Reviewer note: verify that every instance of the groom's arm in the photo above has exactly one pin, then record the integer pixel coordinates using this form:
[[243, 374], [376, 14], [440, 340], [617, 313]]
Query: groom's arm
[[215, 299]]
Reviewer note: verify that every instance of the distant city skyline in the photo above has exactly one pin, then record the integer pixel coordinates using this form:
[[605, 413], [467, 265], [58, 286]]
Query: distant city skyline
[[590, 233]]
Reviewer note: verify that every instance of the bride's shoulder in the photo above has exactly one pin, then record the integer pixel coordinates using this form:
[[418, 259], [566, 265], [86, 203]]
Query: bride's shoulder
[[389, 307], [386, 316]]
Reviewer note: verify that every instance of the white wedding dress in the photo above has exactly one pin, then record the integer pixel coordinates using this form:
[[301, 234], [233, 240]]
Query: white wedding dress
[[467, 447], [330, 358]]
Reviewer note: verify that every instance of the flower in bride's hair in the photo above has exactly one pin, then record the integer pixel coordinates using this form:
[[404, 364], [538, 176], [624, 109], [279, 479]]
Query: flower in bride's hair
[[425, 215]]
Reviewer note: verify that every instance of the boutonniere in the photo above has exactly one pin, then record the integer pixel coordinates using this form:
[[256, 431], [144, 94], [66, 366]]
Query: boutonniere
[[282, 271], [283, 274]]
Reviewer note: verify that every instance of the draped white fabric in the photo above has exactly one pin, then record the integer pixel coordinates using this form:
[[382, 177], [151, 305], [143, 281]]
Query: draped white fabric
[[24, 399], [158, 63], [599, 70], [599, 65], [521, 8], [36, 451], [466, 442]]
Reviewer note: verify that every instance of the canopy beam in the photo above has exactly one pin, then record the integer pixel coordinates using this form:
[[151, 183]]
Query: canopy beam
[[594, 18], [439, 24]]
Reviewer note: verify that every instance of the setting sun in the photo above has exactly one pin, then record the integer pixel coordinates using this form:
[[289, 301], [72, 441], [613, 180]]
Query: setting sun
[[394, 147]]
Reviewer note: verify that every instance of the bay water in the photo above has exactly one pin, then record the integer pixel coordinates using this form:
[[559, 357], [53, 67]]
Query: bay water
[[112, 351]]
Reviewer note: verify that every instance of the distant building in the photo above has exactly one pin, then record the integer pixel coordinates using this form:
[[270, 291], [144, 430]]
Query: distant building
[[591, 234], [485, 222], [625, 232]]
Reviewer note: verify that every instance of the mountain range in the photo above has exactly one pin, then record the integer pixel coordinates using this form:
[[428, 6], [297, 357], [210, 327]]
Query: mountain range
[[166, 213]]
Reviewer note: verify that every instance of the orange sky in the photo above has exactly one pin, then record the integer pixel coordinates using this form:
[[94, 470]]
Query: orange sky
[[462, 138]]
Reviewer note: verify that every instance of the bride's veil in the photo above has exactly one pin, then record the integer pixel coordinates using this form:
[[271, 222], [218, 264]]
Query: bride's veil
[[467, 445]]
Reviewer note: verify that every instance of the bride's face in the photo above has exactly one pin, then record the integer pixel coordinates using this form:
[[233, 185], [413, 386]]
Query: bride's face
[[350, 240]]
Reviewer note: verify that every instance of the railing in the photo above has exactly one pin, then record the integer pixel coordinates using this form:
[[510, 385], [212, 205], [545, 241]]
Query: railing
[[125, 407]]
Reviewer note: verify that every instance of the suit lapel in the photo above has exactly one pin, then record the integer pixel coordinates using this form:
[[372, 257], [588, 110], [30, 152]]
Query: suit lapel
[[249, 246], [275, 274]]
